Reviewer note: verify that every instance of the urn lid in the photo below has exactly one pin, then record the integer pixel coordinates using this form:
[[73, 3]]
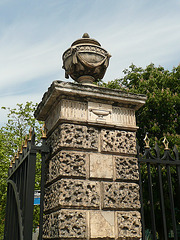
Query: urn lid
[[86, 39]]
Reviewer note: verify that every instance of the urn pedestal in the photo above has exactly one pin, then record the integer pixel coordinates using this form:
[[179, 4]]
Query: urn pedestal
[[92, 189]]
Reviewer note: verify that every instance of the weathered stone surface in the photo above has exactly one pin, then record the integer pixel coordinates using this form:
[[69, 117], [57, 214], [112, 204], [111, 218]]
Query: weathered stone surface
[[126, 168], [101, 166], [47, 175], [102, 225], [129, 225], [121, 195], [118, 141], [68, 163], [72, 224], [74, 136], [72, 193], [51, 225], [65, 224], [46, 226]]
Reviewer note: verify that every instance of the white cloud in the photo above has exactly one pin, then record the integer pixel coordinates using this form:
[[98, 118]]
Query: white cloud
[[34, 37]]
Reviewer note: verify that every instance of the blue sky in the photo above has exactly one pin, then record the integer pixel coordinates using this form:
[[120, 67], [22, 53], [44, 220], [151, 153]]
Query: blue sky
[[35, 33]]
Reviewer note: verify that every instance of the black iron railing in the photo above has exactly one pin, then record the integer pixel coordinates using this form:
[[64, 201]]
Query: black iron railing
[[159, 192], [20, 191]]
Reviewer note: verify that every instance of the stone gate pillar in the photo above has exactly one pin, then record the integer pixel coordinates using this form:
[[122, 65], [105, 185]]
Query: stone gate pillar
[[92, 177]]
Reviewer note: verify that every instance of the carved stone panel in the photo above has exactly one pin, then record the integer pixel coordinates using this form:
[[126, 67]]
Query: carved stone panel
[[123, 116], [74, 110], [68, 163], [118, 141], [74, 136], [53, 117], [126, 168], [72, 193], [65, 224], [129, 225], [101, 166], [102, 224], [121, 195], [98, 112]]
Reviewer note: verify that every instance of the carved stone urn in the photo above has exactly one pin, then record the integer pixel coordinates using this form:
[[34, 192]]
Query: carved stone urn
[[85, 61]]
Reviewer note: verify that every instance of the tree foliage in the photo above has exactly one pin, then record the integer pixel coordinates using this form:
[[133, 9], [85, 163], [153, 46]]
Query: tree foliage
[[161, 113], [20, 119]]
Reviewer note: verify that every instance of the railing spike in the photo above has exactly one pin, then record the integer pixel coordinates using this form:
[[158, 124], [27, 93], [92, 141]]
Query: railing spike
[[21, 147], [157, 150], [176, 153], [147, 140], [11, 162], [25, 143], [17, 156], [44, 131], [166, 143], [14, 159], [30, 134]]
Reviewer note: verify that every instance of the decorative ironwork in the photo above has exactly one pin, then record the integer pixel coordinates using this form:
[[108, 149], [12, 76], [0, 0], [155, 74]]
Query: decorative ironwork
[[155, 174], [44, 131], [147, 140], [20, 192], [166, 143]]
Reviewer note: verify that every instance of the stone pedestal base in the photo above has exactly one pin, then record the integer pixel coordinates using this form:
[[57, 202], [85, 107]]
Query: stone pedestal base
[[92, 189]]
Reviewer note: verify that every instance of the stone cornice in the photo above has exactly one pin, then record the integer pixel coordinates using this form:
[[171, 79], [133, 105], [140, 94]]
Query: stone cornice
[[60, 88]]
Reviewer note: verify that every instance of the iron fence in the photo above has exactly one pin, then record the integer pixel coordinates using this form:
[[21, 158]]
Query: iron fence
[[159, 192], [20, 191]]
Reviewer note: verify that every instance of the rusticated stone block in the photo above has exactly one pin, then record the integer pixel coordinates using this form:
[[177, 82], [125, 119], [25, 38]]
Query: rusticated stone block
[[101, 166], [46, 226], [102, 224], [54, 225], [74, 136], [118, 141], [72, 193], [129, 225], [47, 175], [121, 195], [68, 163], [73, 224], [65, 224], [126, 168]]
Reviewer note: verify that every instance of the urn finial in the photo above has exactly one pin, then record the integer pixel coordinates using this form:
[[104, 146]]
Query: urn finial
[[85, 35], [85, 61]]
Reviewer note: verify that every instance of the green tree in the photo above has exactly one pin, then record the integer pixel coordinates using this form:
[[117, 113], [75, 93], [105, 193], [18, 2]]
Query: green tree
[[20, 119]]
